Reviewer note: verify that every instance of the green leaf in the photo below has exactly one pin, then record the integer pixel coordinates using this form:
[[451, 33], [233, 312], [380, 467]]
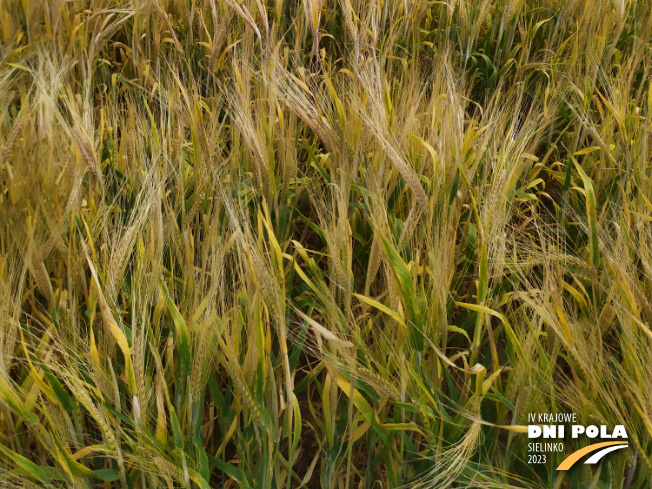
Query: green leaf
[[365, 409], [108, 475], [455, 329], [27, 466], [511, 336], [237, 474], [591, 210], [198, 479], [408, 294], [181, 331], [59, 391]]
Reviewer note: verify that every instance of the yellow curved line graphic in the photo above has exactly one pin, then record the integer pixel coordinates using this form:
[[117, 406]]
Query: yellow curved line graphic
[[575, 456]]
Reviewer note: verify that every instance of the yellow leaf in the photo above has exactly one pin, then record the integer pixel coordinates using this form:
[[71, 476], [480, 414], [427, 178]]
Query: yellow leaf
[[529, 156], [381, 307], [586, 151], [426, 145]]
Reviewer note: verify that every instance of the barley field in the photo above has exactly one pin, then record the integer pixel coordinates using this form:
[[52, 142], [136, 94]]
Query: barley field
[[275, 244]]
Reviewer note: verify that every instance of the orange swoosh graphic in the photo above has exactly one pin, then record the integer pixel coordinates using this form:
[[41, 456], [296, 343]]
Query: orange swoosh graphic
[[575, 456]]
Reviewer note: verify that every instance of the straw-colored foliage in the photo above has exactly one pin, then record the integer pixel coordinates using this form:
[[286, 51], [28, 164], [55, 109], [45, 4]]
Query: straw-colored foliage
[[339, 244]]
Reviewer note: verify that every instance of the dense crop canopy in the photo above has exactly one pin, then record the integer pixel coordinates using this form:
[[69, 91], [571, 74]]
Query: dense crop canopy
[[275, 244]]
